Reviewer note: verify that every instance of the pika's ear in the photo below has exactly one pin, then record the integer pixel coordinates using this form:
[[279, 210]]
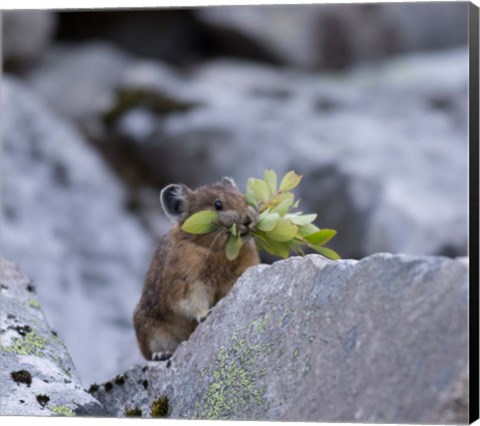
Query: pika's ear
[[229, 181], [174, 199]]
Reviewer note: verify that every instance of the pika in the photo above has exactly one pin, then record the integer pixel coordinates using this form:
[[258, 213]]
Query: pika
[[190, 273]]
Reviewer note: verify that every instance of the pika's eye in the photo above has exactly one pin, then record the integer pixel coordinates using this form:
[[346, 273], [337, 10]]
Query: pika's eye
[[218, 205]]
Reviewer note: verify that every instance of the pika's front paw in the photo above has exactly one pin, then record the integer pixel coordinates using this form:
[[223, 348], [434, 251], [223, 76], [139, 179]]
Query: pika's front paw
[[203, 316], [161, 356]]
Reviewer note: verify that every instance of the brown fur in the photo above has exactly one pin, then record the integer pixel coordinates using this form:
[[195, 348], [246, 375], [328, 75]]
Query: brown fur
[[189, 273]]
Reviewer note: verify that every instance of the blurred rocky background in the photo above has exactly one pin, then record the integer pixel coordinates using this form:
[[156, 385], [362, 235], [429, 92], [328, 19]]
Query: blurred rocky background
[[100, 109]]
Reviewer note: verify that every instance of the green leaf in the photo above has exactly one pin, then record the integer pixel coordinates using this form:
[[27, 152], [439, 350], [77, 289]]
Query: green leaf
[[277, 199], [271, 178], [233, 229], [307, 229], [262, 191], [278, 248], [275, 248], [284, 203], [322, 237], [263, 215], [278, 230], [234, 244], [250, 195], [290, 181], [301, 219], [201, 222], [251, 200], [283, 231], [296, 247], [268, 222], [331, 254]]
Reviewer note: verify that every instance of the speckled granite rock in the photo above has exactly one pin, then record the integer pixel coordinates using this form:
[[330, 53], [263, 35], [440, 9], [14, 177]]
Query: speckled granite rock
[[383, 339], [37, 375]]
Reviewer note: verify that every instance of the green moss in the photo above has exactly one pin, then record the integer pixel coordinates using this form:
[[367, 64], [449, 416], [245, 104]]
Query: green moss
[[157, 102], [296, 353], [259, 324], [34, 304], [61, 410], [160, 407], [30, 344], [133, 412], [234, 384]]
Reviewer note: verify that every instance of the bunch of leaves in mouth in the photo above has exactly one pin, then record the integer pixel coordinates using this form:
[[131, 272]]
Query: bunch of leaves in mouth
[[278, 229], [206, 221]]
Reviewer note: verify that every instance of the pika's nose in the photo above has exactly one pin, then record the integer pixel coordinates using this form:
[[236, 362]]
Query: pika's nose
[[247, 221]]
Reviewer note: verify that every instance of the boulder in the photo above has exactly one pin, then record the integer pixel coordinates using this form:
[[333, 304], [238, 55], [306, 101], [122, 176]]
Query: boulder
[[26, 34], [334, 36], [381, 340], [65, 220], [88, 73], [37, 376], [372, 144]]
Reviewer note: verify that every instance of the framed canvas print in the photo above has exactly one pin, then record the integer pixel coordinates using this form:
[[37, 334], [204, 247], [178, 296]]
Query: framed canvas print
[[254, 212]]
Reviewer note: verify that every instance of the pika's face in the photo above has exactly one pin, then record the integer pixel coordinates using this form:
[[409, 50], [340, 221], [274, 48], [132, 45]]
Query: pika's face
[[180, 202]]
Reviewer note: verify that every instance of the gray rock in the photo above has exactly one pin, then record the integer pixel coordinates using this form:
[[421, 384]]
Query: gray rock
[[37, 375], [25, 36], [426, 26], [64, 218], [384, 339], [335, 36], [87, 73]]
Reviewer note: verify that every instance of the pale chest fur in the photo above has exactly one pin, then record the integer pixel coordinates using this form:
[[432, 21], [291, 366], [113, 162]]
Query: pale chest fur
[[211, 273]]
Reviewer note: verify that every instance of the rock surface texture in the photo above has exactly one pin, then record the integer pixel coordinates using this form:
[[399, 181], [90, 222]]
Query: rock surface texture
[[64, 219], [373, 145], [383, 339], [38, 377]]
